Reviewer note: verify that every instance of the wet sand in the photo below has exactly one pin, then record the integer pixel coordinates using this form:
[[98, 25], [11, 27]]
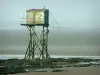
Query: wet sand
[[68, 71]]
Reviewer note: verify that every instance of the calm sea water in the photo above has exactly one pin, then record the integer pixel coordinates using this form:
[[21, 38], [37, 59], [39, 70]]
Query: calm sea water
[[54, 56]]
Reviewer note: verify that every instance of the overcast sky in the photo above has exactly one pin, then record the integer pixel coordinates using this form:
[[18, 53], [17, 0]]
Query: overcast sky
[[81, 19]]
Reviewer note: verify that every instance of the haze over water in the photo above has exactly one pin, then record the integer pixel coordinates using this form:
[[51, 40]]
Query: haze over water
[[80, 37]]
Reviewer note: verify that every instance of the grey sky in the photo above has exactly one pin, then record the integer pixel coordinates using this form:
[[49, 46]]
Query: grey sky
[[80, 17]]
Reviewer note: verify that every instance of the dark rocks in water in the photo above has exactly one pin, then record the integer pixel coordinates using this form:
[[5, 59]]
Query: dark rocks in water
[[58, 70]]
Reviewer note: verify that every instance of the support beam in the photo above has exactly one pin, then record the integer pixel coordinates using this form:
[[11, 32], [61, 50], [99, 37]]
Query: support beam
[[39, 43]]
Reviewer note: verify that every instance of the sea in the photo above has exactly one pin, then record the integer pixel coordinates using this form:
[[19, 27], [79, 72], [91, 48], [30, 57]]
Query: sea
[[52, 56]]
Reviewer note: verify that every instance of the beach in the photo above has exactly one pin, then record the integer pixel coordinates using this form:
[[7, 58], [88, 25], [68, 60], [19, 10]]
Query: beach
[[68, 71]]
